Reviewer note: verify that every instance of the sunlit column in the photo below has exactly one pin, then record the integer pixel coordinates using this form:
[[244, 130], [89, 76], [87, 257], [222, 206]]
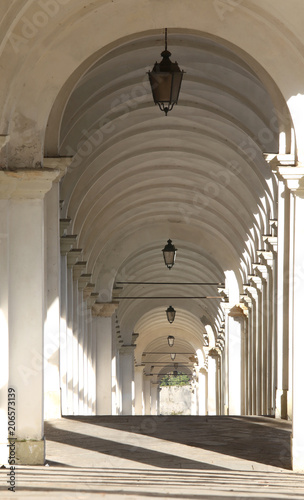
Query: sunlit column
[[104, 365], [246, 300], [69, 338], [52, 313], [255, 297], [90, 387], [127, 377], [83, 281], [78, 269], [4, 353], [80, 353], [154, 396], [212, 382], [268, 259], [202, 391], [295, 182], [139, 391], [235, 331], [94, 374], [26, 305], [116, 407], [283, 337], [147, 388]]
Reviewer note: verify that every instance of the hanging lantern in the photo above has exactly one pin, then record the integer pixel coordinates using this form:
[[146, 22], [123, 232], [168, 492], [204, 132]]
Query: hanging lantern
[[170, 314], [171, 340], [169, 253], [165, 80], [173, 356]]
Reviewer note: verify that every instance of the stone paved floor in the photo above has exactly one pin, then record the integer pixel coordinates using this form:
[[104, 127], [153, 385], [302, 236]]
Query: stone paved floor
[[162, 457]]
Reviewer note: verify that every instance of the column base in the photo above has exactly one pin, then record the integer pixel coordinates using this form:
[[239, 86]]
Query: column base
[[281, 403], [297, 453], [30, 452]]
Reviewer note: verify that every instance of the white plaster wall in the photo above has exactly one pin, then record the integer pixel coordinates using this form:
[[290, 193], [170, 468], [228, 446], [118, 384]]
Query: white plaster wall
[[175, 399]]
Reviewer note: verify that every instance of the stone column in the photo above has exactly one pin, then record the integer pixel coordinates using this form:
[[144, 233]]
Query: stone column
[[147, 394], [103, 318], [202, 391], [94, 356], [139, 390], [104, 365], [268, 260], [126, 356], [52, 293], [154, 397], [255, 325], [248, 347], [294, 177], [79, 268], [212, 382], [282, 296], [235, 334], [22, 297]]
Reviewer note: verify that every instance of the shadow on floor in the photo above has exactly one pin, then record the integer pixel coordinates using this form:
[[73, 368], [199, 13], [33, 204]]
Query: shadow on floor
[[121, 450], [259, 439]]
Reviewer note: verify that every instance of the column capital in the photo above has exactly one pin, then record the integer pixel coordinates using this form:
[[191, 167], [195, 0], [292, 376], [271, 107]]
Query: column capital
[[214, 353], [104, 309], [58, 163], [278, 160], [293, 177], [266, 256], [78, 269], [64, 224], [84, 280], [134, 337], [261, 270], [139, 368], [73, 255], [237, 311], [256, 281], [67, 242], [127, 349], [29, 184]]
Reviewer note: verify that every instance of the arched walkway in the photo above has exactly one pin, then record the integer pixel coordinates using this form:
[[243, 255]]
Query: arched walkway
[[95, 179]]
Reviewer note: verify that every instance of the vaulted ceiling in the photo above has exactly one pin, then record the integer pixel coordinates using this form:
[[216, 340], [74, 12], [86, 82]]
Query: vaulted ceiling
[[197, 176]]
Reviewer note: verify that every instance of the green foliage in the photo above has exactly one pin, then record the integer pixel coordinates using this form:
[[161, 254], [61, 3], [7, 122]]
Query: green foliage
[[179, 379]]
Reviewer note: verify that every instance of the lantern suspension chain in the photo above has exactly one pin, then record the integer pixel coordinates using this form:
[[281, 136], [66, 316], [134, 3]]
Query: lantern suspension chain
[[166, 39]]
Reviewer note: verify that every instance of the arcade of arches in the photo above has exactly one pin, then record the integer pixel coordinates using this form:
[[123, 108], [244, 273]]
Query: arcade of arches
[[95, 179]]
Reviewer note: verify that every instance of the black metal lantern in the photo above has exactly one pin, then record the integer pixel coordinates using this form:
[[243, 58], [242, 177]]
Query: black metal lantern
[[173, 356], [169, 253], [171, 340], [165, 80], [170, 314]]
